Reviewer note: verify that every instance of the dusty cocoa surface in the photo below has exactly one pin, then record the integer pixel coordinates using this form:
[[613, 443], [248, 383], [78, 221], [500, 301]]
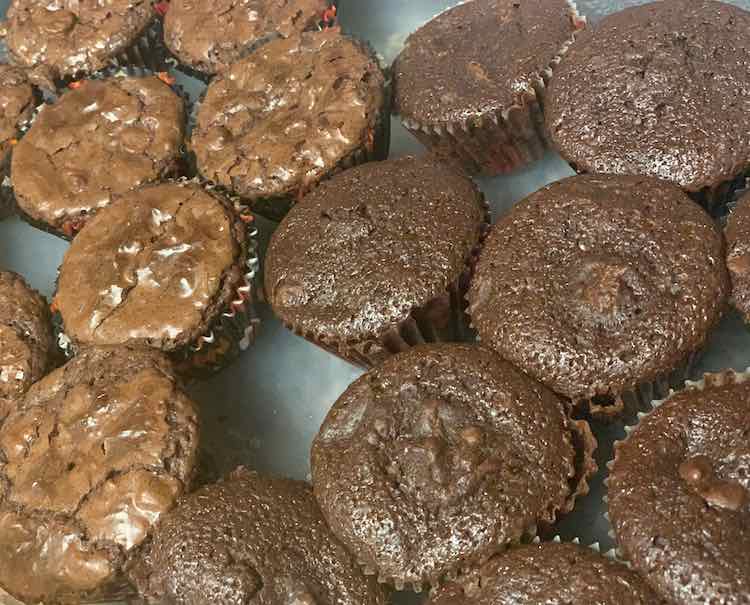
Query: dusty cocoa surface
[[595, 284], [659, 90], [248, 539], [440, 457]]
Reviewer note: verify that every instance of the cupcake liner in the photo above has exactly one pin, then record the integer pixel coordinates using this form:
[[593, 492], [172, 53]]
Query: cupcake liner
[[180, 167], [717, 199], [235, 326], [442, 319], [500, 141], [375, 147], [710, 379], [632, 400]]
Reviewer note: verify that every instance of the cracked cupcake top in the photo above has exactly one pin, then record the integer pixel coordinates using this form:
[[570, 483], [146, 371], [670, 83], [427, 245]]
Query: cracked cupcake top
[[90, 459], [68, 37], [99, 140], [287, 115], [27, 343], [251, 539], [155, 267], [209, 36], [440, 457], [16, 105]]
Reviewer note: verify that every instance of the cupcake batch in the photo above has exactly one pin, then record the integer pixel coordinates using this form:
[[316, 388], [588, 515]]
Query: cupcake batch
[[491, 348]]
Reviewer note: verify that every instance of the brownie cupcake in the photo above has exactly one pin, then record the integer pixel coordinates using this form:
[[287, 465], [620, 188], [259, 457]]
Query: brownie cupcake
[[441, 457], [287, 116], [27, 343], [679, 493], [99, 140], [550, 572], [90, 459], [657, 90], [376, 259], [601, 287], [207, 37], [737, 233], [469, 84], [248, 539], [17, 102], [59, 40], [168, 266]]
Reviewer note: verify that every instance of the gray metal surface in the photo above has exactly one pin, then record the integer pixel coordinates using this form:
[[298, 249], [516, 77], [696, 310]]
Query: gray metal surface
[[265, 410]]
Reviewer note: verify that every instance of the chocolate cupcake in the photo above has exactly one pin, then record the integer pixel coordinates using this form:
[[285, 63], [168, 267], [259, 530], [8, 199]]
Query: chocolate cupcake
[[247, 539], [601, 287], [99, 140], [657, 90], [737, 233], [207, 37], [289, 115], [441, 457], [27, 343], [470, 83], [90, 459], [61, 40], [679, 493], [168, 266], [376, 259], [551, 572], [17, 102]]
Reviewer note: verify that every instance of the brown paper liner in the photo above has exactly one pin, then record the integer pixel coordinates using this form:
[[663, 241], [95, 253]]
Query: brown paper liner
[[629, 402], [442, 319], [497, 142]]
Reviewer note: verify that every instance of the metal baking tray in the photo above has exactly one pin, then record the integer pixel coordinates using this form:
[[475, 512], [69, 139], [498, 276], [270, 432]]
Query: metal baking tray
[[264, 410]]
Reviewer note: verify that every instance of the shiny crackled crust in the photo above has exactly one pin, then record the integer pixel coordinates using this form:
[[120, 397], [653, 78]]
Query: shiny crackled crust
[[68, 38], [133, 126], [596, 284], [550, 572], [27, 344], [679, 493], [155, 268], [210, 36], [288, 115], [440, 458], [657, 90], [90, 458], [248, 539], [16, 106]]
